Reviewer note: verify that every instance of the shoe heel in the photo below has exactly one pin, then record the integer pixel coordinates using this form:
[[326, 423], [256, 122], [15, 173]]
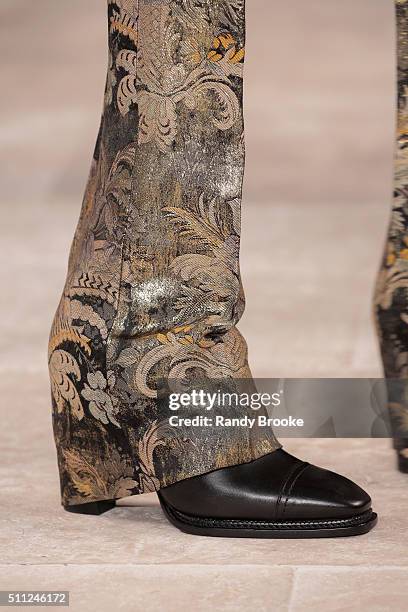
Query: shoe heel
[[402, 463], [95, 508]]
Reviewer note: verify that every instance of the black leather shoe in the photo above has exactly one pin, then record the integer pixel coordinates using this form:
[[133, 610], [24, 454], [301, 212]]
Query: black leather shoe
[[277, 496]]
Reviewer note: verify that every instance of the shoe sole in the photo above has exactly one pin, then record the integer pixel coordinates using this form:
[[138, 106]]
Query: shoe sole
[[233, 528]]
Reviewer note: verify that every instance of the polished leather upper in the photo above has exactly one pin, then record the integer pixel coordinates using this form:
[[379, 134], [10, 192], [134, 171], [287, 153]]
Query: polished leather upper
[[275, 487]]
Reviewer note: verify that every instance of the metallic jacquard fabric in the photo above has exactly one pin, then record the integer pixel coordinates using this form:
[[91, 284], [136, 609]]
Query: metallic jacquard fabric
[[153, 289], [391, 297]]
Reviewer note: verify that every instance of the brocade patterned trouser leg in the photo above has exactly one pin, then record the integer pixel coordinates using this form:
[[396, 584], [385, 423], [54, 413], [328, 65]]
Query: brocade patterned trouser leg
[[391, 299], [153, 288]]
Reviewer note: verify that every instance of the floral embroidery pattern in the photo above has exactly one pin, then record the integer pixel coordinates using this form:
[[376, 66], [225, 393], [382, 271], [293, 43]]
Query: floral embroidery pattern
[[191, 64], [101, 405]]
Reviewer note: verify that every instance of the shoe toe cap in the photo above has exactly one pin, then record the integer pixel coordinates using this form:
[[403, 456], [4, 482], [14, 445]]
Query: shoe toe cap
[[319, 493]]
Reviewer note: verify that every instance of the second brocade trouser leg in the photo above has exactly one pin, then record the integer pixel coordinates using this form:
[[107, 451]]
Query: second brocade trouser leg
[[391, 299]]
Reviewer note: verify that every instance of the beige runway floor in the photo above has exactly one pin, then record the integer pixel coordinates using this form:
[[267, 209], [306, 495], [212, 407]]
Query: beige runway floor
[[320, 121]]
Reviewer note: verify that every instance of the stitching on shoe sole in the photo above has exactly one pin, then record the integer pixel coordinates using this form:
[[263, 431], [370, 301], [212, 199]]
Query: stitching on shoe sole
[[274, 525]]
